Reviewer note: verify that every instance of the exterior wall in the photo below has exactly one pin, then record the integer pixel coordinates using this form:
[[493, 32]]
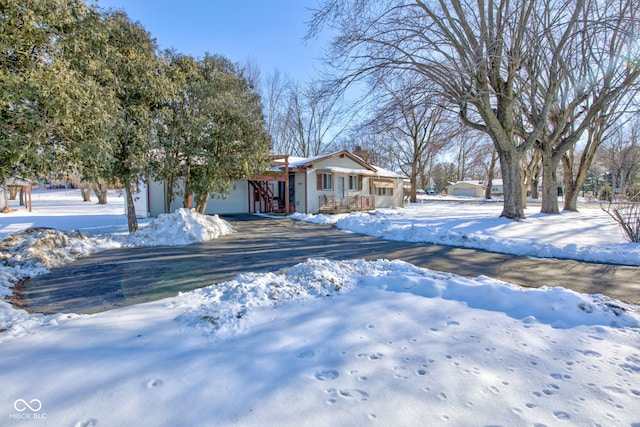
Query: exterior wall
[[141, 202], [337, 161], [394, 200], [465, 189], [340, 181], [157, 197], [307, 197], [236, 202], [313, 195], [497, 190]]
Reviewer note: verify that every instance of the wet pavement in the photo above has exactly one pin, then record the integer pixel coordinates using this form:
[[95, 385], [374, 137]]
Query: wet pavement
[[116, 278]]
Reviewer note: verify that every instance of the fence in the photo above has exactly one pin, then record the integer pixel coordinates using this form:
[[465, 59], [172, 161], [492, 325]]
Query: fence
[[333, 204]]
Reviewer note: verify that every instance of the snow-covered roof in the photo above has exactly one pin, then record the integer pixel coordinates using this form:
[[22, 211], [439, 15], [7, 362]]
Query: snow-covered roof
[[349, 170], [295, 162], [388, 174]]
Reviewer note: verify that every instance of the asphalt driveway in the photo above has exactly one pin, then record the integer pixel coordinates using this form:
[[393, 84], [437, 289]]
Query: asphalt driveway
[[116, 278]]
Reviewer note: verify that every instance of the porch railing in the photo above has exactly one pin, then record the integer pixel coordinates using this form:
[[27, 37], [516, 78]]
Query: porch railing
[[333, 204]]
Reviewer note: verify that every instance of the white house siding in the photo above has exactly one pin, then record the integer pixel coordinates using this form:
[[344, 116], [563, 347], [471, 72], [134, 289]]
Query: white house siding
[[340, 180], [157, 197], [141, 202], [236, 202], [307, 196], [313, 196], [337, 161], [393, 200]]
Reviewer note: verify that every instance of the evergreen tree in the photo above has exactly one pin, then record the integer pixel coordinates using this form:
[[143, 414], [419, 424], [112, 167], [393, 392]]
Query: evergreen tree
[[213, 131]]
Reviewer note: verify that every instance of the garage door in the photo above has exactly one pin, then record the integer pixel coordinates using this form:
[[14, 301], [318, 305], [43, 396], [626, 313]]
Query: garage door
[[469, 192]]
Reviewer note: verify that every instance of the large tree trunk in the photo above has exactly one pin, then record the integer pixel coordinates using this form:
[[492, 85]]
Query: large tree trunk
[[132, 220], [187, 201], [85, 191], [571, 191], [549, 181], [170, 190], [574, 184], [201, 203], [100, 189], [413, 180], [510, 165], [535, 182]]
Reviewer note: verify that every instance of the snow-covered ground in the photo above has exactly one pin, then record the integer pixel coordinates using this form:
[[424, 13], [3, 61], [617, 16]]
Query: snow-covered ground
[[589, 235], [325, 343]]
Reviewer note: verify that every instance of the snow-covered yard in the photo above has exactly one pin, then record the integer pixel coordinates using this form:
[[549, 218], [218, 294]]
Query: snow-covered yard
[[326, 343]]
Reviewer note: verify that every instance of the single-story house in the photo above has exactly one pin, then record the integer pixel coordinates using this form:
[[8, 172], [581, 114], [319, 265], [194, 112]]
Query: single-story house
[[331, 183], [474, 188]]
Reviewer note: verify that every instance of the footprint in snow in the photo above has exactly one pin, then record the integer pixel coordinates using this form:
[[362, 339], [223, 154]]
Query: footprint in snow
[[352, 393], [327, 374], [590, 353], [561, 415], [154, 383], [91, 422], [307, 354]]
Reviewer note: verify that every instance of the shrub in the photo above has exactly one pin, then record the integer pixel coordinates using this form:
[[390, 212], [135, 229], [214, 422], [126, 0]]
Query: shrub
[[627, 215]]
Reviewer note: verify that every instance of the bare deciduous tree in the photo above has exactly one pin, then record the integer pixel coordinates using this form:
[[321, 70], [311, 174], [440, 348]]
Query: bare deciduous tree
[[303, 120], [417, 125], [274, 96], [594, 82], [627, 215], [477, 53]]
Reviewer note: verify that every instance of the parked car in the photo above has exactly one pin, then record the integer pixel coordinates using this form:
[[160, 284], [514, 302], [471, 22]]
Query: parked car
[[420, 192], [429, 191]]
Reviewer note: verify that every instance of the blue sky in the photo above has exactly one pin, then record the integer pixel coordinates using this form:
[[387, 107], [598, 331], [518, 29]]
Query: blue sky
[[269, 32]]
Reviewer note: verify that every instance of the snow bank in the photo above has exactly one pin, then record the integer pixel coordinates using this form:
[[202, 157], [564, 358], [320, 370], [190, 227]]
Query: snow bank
[[182, 227], [583, 237], [34, 251], [223, 308]]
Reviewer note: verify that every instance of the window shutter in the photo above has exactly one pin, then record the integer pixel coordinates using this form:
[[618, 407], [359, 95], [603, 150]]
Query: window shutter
[[318, 181], [359, 182]]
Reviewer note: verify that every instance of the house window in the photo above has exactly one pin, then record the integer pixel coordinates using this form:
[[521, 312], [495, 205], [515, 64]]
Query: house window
[[327, 181], [383, 191], [353, 182]]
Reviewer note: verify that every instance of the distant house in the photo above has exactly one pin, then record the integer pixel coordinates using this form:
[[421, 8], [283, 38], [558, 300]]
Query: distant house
[[474, 188], [332, 183]]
